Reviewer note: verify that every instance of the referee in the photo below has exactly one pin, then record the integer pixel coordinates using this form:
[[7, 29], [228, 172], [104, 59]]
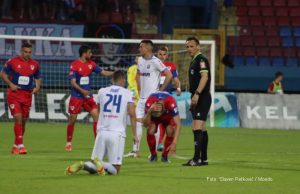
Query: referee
[[199, 82]]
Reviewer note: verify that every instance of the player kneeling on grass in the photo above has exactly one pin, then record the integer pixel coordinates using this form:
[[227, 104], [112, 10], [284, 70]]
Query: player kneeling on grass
[[114, 102], [161, 108]]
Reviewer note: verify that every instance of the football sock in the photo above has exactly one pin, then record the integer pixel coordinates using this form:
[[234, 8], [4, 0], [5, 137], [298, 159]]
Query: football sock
[[152, 144], [168, 142], [204, 146], [18, 134], [110, 168], [162, 130], [139, 132], [197, 144], [23, 130], [70, 131], [95, 129]]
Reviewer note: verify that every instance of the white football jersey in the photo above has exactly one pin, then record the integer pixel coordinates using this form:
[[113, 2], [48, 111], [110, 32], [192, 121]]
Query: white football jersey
[[150, 70], [113, 101]]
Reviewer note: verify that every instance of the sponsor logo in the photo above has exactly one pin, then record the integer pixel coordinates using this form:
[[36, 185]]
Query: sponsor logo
[[145, 74], [19, 66], [12, 106], [32, 67], [80, 69], [90, 66]]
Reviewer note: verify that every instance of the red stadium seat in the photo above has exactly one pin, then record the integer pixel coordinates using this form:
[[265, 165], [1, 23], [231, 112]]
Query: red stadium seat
[[275, 52], [271, 31], [295, 21], [116, 17], [270, 21], [262, 51], [254, 11], [104, 17], [260, 41], [274, 41], [281, 11], [265, 3], [251, 2], [245, 31], [241, 11], [280, 3], [293, 3], [233, 41], [267, 11], [289, 52], [258, 31], [239, 2], [283, 21], [246, 40], [243, 21], [256, 21], [295, 12], [249, 51]]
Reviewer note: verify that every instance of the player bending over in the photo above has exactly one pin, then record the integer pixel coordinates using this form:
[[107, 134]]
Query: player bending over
[[161, 108], [114, 102]]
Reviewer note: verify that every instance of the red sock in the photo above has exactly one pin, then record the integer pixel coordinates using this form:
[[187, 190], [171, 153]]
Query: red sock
[[70, 131], [167, 144], [152, 144], [18, 134], [95, 128], [23, 130], [162, 130]]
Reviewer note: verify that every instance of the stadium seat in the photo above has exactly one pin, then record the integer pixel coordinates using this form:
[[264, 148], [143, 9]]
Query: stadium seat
[[297, 31], [267, 11], [285, 31], [283, 21], [265, 3], [256, 21], [270, 21], [298, 42], [277, 61], [275, 52], [258, 31], [241, 11], [246, 40], [274, 41], [238, 61], [251, 61], [293, 3], [281, 11], [264, 61], [279, 3], [292, 62], [243, 21], [239, 2], [295, 12], [289, 52], [254, 11], [245, 31], [233, 41], [287, 42], [116, 17], [251, 2], [260, 41], [295, 21], [249, 51], [104, 17], [262, 51], [271, 31]]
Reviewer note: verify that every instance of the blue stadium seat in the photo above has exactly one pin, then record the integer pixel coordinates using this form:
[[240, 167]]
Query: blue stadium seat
[[297, 31], [277, 61], [264, 61], [298, 42], [287, 42], [292, 62], [285, 31], [251, 61], [238, 61]]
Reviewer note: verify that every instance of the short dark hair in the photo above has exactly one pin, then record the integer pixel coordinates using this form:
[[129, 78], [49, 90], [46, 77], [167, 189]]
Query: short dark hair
[[117, 75], [164, 48], [278, 73], [148, 42], [194, 39], [26, 45], [83, 49]]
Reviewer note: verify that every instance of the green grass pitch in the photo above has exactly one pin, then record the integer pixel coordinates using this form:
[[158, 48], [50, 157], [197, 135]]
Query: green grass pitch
[[240, 161]]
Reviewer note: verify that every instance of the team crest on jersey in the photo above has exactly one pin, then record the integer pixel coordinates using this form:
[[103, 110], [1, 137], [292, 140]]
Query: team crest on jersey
[[90, 66], [72, 107], [202, 64], [12, 106], [19, 66], [32, 67], [80, 69], [172, 105], [192, 71], [148, 66]]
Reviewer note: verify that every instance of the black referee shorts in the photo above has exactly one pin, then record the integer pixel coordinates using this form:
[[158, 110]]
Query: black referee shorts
[[201, 110]]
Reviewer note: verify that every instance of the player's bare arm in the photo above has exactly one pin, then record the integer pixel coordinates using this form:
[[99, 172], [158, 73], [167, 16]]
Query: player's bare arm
[[107, 73], [202, 83], [78, 88], [167, 80], [176, 84], [131, 113], [5, 78], [37, 86], [138, 81], [176, 134]]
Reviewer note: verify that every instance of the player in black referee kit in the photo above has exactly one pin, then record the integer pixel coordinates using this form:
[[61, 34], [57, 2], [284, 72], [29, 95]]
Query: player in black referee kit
[[199, 82]]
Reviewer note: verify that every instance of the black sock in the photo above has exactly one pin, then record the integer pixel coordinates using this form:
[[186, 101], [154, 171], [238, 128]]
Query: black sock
[[197, 144], [204, 146]]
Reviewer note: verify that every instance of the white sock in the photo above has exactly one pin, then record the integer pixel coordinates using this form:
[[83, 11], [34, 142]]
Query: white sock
[[139, 133], [110, 168], [20, 146]]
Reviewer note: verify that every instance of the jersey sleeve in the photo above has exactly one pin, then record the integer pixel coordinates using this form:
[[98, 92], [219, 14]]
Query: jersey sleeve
[[149, 103], [99, 96], [271, 86], [204, 66], [72, 72], [160, 66], [7, 67], [37, 74], [97, 69], [171, 106]]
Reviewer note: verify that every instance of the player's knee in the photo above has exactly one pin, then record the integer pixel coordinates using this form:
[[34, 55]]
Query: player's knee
[[18, 118], [170, 131], [151, 129]]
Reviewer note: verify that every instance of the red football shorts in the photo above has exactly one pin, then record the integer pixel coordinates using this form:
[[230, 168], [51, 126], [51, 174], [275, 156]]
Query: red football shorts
[[19, 102], [164, 120], [76, 104]]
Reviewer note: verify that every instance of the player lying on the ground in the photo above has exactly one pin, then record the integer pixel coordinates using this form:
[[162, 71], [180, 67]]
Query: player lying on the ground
[[114, 102], [161, 108]]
